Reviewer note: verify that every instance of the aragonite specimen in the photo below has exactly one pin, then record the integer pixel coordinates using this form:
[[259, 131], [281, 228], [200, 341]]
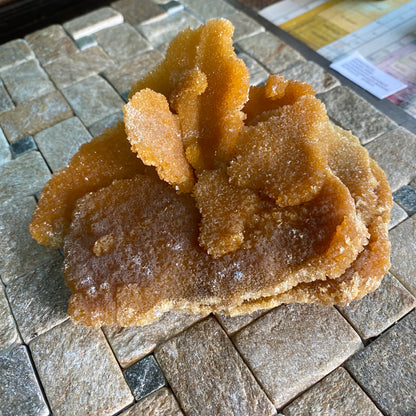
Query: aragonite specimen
[[250, 197]]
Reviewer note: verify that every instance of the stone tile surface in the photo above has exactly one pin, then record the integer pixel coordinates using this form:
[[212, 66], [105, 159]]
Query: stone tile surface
[[313, 74], [380, 309], [19, 251], [122, 42], [160, 403], [86, 42], [93, 99], [232, 324], [258, 74], [122, 76], [268, 49], [398, 214], [20, 393], [23, 176], [386, 369], [208, 10], [61, 141], [6, 102], [336, 395], [403, 249], [351, 112], [395, 153], [210, 378], [93, 22], [139, 11], [9, 335], [98, 127], [244, 26], [26, 81], [51, 43], [35, 115], [160, 31], [79, 372], [5, 152], [133, 343], [68, 70], [14, 53], [144, 377], [22, 146], [406, 197], [292, 347], [39, 299]]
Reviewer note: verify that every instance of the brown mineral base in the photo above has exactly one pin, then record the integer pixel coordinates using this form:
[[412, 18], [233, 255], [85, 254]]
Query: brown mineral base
[[254, 197]]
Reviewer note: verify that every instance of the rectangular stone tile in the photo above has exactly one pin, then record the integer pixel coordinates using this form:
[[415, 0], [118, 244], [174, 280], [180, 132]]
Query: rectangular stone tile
[[68, 70], [160, 403], [258, 74], [26, 81], [380, 309], [139, 11], [92, 22], [406, 198], [244, 26], [98, 127], [14, 53], [386, 369], [208, 376], [293, 346], [270, 51], [232, 324], [93, 99], [398, 214], [86, 42], [403, 253], [5, 152], [209, 9], [61, 141], [395, 153], [51, 43], [39, 299], [6, 102], [336, 395], [20, 393], [122, 42], [133, 343], [9, 335], [144, 377], [166, 29], [313, 74], [351, 112], [23, 176], [122, 76], [35, 115], [20, 253], [79, 372]]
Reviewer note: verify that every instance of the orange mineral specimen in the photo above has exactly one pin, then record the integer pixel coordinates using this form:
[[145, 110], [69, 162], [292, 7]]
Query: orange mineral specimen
[[250, 197]]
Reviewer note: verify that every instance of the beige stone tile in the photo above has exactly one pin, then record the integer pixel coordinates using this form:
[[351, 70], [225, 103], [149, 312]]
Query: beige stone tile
[[14, 53], [9, 335], [139, 11]]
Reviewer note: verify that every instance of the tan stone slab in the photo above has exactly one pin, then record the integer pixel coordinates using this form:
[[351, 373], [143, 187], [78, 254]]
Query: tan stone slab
[[139, 11], [133, 343], [19, 251], [403, 253], [79, 372], [5, 152], [336, 395], [51, 43], [61, 141], [90, 23], [208, 376], [244, 26], [98, 127], [380, 309], [232, 324], [398, 214], [30, 117], [159, 403], [122, 42], [26, 81], [14, 53], [209, 9], [93, 99], [8, 329], [395, 152], [258, 75], [6, 102], [292, 347], [270, 51], [123, 75], [68, 70]]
